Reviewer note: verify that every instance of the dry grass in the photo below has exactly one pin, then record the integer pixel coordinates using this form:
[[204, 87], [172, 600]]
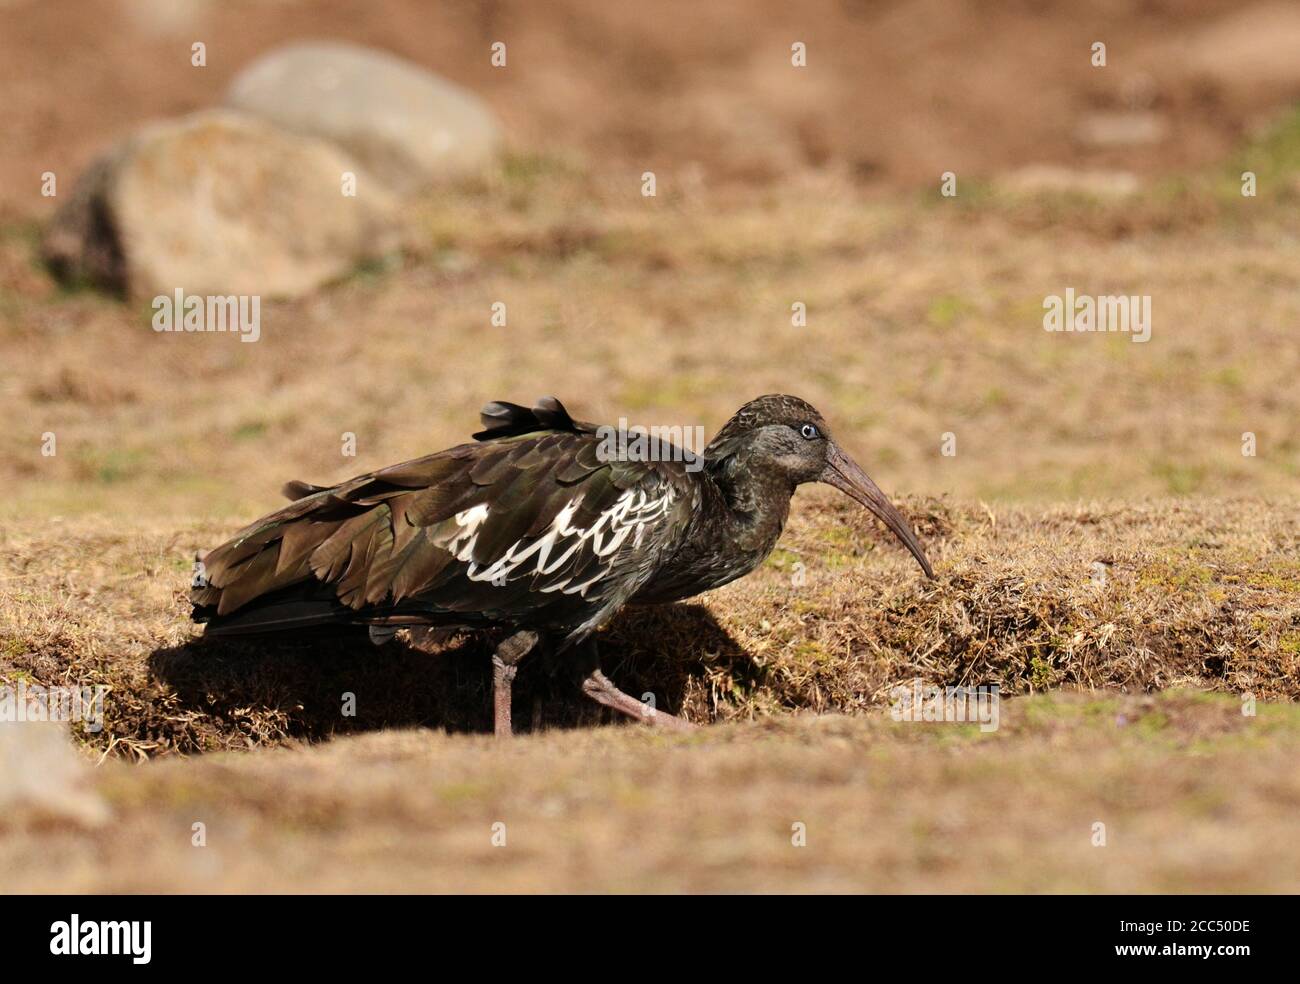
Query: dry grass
[[923, 320], [1199, 594]]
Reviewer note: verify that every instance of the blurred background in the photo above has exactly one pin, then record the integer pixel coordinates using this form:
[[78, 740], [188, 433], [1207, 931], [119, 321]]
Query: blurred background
[[776, 185]]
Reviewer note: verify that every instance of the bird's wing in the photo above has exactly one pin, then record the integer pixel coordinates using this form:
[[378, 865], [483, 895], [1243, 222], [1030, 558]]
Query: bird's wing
[[531, 526]]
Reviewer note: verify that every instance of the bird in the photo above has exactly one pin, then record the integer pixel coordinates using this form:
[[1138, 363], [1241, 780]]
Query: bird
[[539, 532]]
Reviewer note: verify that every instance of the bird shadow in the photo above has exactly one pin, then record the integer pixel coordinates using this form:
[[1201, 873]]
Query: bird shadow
[[232, 691]]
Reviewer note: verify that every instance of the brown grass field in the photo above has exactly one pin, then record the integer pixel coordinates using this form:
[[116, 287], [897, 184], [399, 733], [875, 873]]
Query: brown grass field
[[1105, 553]]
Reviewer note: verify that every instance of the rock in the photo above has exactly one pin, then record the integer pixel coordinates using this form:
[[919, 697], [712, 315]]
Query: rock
[[219, 203], [1040, 178], [1123, 129], [407, 126], [168, 18]]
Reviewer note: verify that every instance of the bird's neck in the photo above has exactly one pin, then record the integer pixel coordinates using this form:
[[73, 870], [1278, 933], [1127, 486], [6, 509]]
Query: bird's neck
[[741, 515], [755, 501]]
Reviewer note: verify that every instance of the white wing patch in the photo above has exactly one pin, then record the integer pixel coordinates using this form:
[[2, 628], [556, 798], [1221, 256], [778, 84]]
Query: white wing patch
[[548, 553], [461, 546]]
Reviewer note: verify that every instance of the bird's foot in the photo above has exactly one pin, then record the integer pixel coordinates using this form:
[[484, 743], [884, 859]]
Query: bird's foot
[[601, 689]]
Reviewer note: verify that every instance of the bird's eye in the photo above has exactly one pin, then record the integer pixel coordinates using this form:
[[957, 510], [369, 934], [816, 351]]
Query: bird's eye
[[809, 432]]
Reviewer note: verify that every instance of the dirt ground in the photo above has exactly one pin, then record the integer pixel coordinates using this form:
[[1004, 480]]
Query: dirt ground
[[1106, 553], [894, 91], [1190, 795]]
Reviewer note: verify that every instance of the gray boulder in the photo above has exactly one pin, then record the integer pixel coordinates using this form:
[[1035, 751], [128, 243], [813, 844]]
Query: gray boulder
[[219, 203], [405, 125]]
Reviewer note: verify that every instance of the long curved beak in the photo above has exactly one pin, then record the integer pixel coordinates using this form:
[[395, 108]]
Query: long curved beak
[[843, 472]]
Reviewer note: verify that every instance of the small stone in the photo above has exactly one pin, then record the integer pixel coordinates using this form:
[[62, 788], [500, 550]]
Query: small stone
[[1123, 129], [1039, 178]]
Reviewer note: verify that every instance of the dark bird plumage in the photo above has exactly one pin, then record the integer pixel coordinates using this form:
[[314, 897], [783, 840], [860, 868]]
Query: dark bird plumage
[[544, 527]]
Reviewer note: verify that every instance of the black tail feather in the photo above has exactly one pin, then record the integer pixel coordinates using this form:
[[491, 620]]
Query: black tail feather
[[503, 419]]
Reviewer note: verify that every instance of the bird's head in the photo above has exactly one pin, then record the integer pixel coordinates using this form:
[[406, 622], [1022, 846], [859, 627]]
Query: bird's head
[[786, 436]]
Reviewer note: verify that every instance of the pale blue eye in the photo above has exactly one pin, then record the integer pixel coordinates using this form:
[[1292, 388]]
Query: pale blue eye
[[809, 432]]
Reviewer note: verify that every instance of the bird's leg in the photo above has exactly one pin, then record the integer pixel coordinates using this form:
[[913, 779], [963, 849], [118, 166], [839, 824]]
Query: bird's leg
[[504, 664], [601, 689]]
